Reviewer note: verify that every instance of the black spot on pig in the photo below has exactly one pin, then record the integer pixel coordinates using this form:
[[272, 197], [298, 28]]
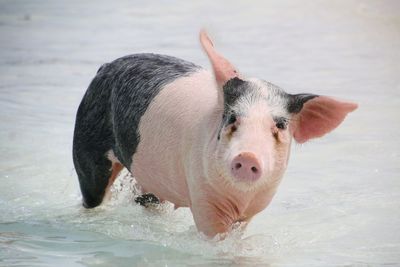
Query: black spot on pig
[[137, 80], [296, 102], [234, 89]]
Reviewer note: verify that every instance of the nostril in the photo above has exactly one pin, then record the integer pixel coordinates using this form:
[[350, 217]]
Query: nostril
[[254, 169], [246, 167]]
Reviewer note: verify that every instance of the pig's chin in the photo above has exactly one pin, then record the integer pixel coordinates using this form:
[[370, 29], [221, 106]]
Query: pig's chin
[[249, 184], [267, 181]]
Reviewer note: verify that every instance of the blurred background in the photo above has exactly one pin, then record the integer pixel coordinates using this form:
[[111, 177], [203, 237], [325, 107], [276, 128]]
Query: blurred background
[[339, 203]]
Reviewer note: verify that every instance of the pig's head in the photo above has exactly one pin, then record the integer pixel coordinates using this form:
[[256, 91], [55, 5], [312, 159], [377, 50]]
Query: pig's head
[[259, 120]]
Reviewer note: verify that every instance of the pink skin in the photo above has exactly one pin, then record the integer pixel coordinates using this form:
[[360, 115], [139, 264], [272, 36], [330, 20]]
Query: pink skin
[[179, 158], [246, 166], [320, 116], [223, 69]]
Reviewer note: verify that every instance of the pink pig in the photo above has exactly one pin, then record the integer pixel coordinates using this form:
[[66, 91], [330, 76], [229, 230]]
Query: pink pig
[[216, 142]]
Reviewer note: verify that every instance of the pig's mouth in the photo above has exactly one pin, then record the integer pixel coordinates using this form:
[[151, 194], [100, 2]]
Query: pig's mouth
[[244, 185]]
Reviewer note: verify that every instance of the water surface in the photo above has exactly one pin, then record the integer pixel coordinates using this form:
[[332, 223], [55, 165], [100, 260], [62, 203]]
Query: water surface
[[339, 202]]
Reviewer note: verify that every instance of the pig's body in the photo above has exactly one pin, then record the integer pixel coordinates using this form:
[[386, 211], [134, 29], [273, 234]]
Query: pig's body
[[168, 145], [177, 150], [107, 131], [212, 141], [174, 129]]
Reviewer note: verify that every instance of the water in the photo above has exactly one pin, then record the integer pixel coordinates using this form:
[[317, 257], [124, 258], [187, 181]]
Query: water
[[339, 202]]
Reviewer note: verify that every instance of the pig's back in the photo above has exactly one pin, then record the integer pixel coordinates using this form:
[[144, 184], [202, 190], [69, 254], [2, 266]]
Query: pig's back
[[135, 81]]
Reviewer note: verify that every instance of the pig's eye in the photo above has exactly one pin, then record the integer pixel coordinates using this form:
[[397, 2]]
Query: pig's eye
[[232, 119], [281, 123]]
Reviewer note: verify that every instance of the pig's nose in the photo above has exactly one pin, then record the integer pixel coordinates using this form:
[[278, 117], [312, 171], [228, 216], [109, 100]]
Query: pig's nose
[[246, 167]]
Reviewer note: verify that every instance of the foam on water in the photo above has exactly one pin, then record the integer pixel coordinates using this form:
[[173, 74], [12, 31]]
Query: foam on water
[[31, 233]]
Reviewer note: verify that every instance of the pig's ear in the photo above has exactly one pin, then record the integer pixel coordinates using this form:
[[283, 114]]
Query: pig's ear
[[223, 69], [315, 116]]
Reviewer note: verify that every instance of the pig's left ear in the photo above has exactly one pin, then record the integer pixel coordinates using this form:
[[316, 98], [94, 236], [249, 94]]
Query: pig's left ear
[[315, 116], [223, 69]]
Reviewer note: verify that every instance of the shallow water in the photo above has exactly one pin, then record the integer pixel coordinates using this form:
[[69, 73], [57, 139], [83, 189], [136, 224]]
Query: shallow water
[[339, 203]]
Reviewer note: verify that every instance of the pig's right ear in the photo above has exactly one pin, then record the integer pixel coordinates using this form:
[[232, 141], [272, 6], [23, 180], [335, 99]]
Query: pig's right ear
[[315, 116], [223, 69]]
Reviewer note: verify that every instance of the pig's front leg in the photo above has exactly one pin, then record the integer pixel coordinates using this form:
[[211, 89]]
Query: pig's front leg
[[208, 220], [215, 215]]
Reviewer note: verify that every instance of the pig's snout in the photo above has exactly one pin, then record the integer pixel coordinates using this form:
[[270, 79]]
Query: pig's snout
[[246, 167]]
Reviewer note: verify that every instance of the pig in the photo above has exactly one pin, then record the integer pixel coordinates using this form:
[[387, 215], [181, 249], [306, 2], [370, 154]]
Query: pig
[[214, 141]]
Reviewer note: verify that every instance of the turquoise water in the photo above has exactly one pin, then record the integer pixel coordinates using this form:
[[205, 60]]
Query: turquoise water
[[339, 202]]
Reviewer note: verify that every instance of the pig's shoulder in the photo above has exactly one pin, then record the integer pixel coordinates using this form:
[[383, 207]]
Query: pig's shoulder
[[134, 81]]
